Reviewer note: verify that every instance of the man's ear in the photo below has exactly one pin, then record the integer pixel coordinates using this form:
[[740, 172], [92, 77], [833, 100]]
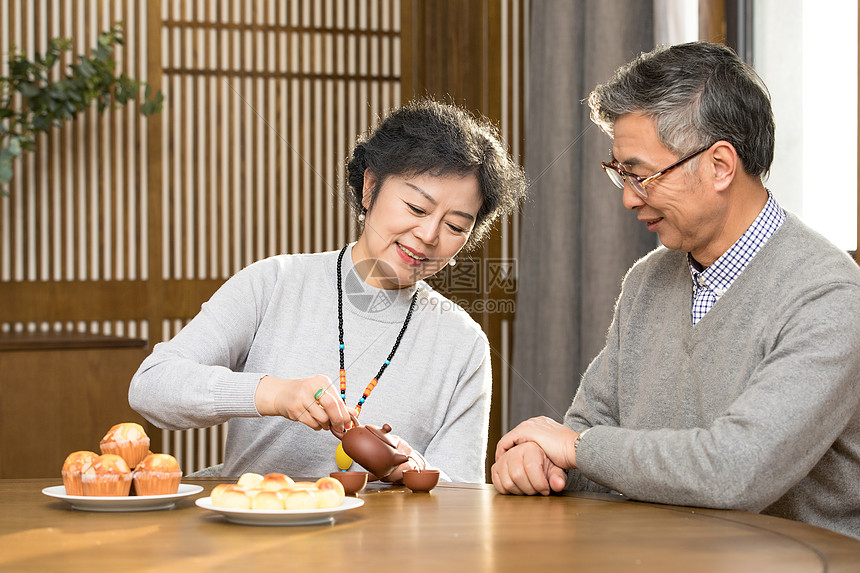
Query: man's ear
[[367, 191], [724, 164]]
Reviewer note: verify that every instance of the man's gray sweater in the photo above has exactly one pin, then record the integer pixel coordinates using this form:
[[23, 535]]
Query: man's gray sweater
[[757, 407]]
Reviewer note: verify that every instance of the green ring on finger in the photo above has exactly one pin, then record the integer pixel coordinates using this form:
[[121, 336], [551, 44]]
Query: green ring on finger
[[319, 394]]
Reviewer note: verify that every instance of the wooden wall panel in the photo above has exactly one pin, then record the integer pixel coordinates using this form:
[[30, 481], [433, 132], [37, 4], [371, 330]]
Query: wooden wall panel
[[122, 225], [475, 53], [77, 395], [75, 208], [72, 244], [264, 102]]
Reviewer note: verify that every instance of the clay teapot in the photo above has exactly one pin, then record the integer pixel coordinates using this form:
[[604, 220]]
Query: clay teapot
[[371, 448]]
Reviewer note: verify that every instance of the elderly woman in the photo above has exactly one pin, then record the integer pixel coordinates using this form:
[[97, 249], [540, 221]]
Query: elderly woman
[[298, 343]]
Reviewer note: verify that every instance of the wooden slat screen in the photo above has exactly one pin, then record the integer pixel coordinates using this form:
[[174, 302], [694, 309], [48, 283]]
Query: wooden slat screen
[[74, 209], [77, 205], [74, 228], [265, 100]]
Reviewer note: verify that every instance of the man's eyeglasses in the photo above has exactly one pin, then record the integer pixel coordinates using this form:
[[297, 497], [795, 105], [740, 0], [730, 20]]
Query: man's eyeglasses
[[618, 175]]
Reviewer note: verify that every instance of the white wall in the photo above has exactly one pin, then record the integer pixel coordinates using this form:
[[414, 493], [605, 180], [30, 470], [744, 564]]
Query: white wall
[[676, 21], [806, 53]]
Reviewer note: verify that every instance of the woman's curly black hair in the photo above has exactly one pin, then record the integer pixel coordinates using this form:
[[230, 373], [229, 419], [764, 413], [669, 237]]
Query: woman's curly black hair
[[428, 137]]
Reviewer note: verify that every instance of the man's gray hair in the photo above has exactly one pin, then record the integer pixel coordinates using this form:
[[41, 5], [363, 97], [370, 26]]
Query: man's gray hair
[[697, 94]]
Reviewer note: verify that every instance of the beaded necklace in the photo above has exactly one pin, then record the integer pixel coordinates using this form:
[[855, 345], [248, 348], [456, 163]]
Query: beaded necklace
[[340, 456]]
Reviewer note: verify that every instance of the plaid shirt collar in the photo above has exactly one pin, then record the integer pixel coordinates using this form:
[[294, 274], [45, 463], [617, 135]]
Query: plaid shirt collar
[[719, 276]]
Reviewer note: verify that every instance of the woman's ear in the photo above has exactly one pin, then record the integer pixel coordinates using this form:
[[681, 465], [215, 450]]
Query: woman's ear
[[725, 163], [367, 191]]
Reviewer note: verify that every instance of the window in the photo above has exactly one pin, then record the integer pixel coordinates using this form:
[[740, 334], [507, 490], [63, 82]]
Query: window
[[807, 56]]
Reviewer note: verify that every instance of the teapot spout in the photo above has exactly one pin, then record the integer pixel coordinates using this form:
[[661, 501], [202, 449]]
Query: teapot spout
[[383, 471]]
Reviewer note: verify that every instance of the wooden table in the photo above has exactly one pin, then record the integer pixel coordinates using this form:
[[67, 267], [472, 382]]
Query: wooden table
[[462, 527]]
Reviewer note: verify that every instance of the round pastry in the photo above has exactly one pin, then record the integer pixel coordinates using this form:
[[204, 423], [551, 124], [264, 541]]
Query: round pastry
[[72, 471], [250, 480], [267, 499], [157, 474], [217, 491], [327, 498], [298, 499], [275, 482], [329, 493], [106, 475], [309, 485], [128, 440], [231, 497]]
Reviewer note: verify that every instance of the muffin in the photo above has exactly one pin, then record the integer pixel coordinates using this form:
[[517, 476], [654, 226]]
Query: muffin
[[127, 440], [72, 471], [157, 474], [106, 475]]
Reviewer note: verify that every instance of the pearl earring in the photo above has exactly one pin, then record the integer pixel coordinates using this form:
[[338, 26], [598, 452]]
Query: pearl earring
[[452, 263], [361, 217]]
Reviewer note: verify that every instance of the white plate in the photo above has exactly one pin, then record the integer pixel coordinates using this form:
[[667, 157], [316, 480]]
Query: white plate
[[129, 503], [281, 516]]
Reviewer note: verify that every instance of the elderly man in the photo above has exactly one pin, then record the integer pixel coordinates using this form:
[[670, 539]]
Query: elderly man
[[731, 372]]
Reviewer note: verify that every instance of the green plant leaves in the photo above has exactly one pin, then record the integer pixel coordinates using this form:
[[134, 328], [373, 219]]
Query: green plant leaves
[[7, 154], [29, 90], [43, 105]]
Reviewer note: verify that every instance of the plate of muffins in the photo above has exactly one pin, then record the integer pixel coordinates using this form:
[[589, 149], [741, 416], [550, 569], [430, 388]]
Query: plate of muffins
[[128, 503], [125, 477]]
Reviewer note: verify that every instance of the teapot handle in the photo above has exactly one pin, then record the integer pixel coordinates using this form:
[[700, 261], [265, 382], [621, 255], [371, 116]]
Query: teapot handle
[[338, 434]]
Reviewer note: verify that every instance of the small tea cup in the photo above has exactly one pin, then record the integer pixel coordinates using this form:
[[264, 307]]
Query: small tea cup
[[353, 482], [421, 481]]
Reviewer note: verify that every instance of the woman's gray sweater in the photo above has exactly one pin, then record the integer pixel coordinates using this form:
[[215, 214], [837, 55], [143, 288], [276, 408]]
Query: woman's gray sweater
[[279, 317]]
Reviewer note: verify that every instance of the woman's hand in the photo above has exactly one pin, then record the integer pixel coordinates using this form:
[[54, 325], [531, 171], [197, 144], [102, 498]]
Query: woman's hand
[[415, 461], [295, 399]]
